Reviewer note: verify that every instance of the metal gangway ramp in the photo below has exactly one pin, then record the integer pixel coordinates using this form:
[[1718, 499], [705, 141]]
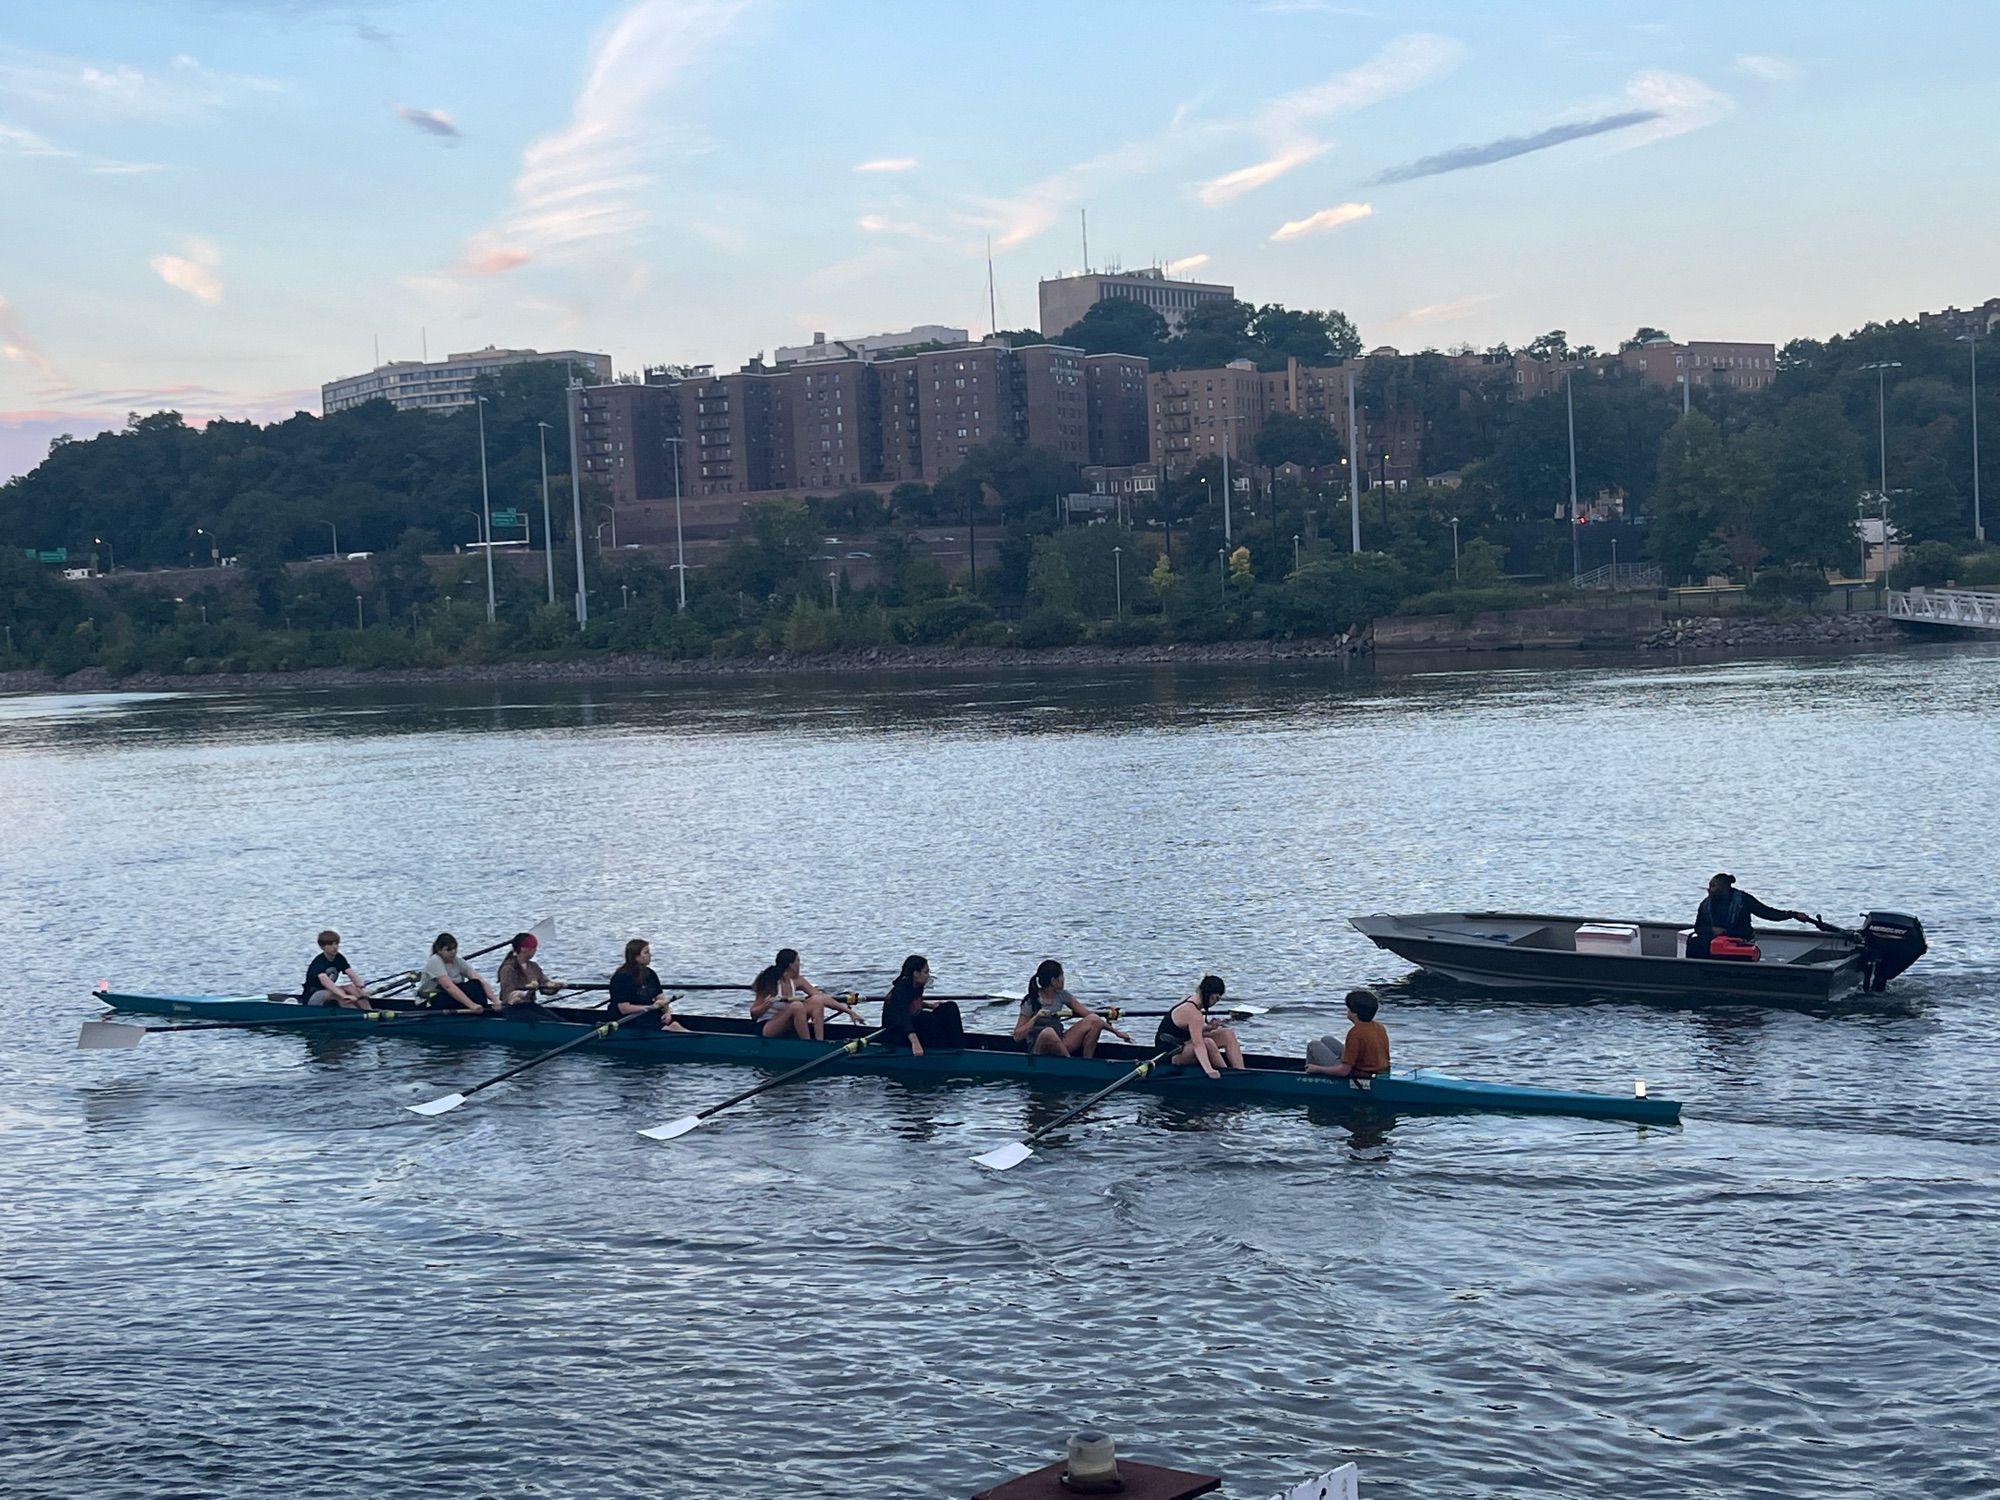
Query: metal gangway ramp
[[1962, 607]]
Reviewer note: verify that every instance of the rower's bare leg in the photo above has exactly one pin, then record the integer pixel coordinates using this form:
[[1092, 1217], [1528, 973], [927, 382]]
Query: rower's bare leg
[[1231, 1049], [1081, 1039], [1049, 1044], [801, 1027], [815, 1017]]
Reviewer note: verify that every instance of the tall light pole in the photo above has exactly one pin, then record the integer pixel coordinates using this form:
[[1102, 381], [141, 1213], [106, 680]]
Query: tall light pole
[[612, 512], [1882, 368], [1295, 552], [572, 402], [834, 579], [114, 556], [201, 533], [485, 511], [1225, 478], [680, 547], [1575, 539], [1222, 570], [1454, 550], [1978, 522], [548, 535], [336, 536], [1353, 467], [1118, 581]]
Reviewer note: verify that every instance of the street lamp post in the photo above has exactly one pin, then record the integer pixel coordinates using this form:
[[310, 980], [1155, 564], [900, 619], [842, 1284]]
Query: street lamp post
[[548, 532], [612, 512], [1118, 581], [1978, 521], [485, 512], [1882, 368], [336, 537], [600, 537], [833, 578], [571, 401], [680, 547], [1454, 550], [1222, 570], [1575, 538], [114, 556], [1353, 468], [1226, 424], [211, 551]]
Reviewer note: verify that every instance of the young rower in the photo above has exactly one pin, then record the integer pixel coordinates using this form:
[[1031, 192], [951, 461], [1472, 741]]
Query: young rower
[[448, 983], [330, 979], [1044, 1011], [1198, 1039], [635, 987], [521, 979], [775, 1015], [1364, 1053], [908, 1020], [793, 985]]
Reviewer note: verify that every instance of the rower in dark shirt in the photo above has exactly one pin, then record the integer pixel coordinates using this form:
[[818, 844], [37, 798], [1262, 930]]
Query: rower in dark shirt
[[909, 1021], [330, 979], [635, 987], [1728, 911]]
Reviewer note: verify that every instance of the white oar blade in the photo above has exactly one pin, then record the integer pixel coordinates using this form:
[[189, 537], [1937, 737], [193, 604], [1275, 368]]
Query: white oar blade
[[97, 1034], [442, 1106], [1005, 1158], [1249, 1010], [672, 1130]]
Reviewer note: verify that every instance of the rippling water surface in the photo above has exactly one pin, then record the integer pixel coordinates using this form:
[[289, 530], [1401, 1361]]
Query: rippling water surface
[[234, 1266]]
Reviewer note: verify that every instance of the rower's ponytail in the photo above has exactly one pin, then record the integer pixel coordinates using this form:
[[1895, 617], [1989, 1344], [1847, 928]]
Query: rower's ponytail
[[765, 985], [1048, 972]]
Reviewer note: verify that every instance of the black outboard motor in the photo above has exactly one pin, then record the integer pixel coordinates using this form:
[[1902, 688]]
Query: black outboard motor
[[1890, 943]]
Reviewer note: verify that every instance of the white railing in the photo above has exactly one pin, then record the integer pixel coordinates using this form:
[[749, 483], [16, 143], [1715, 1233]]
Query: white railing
[[1946, 607], [1617, 575]]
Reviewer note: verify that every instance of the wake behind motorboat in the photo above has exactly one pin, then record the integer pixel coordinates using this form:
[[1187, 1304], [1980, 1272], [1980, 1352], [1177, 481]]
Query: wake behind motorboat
[[1516, 950]]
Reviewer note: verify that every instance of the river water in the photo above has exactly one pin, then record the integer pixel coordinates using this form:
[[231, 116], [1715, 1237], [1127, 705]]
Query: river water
[[235, 1266]]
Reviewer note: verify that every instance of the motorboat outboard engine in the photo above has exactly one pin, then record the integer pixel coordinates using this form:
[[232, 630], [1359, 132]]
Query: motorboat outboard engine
[[1890, 943]]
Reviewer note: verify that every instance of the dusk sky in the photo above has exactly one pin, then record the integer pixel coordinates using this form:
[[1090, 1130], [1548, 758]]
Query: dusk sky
[[214, 205]]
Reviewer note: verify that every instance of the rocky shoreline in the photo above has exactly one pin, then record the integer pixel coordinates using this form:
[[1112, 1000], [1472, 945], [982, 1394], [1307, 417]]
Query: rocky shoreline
[[1692, 633], [1724, 633]]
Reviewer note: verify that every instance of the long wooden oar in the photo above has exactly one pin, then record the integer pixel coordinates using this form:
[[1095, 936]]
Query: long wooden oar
[[452, 1101], [1236, 1012], [1005, 1158], [96, 1035], [674, 1128], [1240, 1008]]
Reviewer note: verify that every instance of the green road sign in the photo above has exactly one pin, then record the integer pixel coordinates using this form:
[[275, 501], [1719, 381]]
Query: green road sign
[[508, 518], [52, 554]]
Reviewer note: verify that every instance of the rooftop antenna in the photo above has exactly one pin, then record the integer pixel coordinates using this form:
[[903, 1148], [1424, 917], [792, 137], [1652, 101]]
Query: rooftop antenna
[[378, 351], [992, 309], [425, 335], [1083, 217]]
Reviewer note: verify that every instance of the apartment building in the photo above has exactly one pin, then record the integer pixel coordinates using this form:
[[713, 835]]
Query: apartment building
[[1704, 363], [1115, 409], [1064, 299], [447, 384], [836, 433], [1964, 323], [868, 346], [1054, 399], [625, 436], [1196, 413]]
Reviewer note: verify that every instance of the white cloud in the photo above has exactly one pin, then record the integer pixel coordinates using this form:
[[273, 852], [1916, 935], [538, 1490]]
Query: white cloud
[[1402, 65], [15, 345], [886, 164], [194, 272], [1445, 312], [1185, 264], [878, 261], [72, 86], [1020, 216], [1243, 179], [1319, 223], [1770, 69], [23, 142], [1680, 104], [908, 229], [582, 188]]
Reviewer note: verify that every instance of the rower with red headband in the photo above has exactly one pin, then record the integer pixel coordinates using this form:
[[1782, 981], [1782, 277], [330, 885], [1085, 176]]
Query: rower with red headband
[[521, 978]]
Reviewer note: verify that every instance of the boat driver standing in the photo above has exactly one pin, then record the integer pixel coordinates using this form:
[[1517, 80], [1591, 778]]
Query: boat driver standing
[[1727, 912]]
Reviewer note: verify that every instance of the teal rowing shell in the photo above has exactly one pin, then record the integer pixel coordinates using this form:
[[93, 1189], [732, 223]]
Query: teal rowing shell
[[713, 1039]]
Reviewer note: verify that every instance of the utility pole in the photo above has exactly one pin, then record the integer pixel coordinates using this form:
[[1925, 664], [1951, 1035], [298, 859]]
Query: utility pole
[[485, 510], [1227, 423], [576, 504], [1353, 466], [1575, 540], [1978, 521], [992, 307], [548, 535], [680, 547]]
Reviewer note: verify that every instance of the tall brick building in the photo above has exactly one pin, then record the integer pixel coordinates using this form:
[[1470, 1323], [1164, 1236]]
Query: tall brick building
[[831, 424]]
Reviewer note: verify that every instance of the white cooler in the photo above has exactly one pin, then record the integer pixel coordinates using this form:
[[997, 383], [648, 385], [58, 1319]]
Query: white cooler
[[1608, 937]]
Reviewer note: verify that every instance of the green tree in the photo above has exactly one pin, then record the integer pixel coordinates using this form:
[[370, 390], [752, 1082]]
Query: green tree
[[1301, 438], [1118, 325], [1310, 337], [1809, 515], [1692, 500]]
